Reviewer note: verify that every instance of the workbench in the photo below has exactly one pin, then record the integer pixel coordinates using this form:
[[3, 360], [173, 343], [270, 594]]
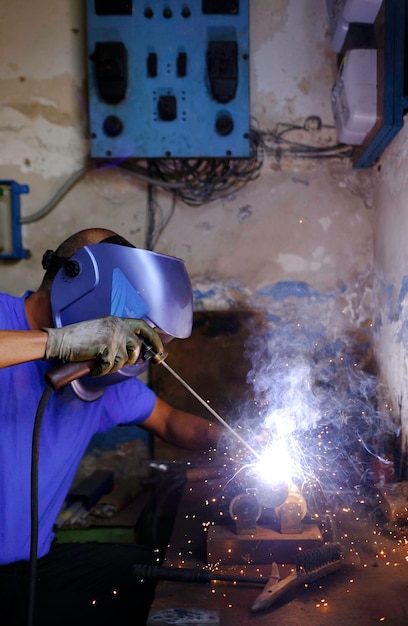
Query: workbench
[[369, 588]]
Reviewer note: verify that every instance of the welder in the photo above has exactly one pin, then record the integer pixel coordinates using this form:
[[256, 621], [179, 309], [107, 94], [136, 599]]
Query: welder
[[101, 300]]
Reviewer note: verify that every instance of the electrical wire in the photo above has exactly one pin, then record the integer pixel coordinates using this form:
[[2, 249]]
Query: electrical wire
[[163, 489], [164, 220], [205, 180], [156, 219], [202, 180], [275, 142], [142, 174], [67, 186]]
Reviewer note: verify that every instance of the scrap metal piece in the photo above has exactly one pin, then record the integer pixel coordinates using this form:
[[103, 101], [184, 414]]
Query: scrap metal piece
[[292, 512], [225, 546], [291, 518], [272, 496], [245, 511]]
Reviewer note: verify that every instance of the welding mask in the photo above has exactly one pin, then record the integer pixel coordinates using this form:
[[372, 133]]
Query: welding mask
[[110, 279]]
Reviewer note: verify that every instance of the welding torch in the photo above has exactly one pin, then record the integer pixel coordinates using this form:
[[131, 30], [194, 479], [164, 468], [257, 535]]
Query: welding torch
[[68, 372]]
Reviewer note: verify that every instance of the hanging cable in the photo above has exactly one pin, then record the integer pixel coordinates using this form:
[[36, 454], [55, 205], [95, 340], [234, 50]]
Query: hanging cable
[[164, 219], [151, 199], [67, 186], [202, 180], [205, 180], [35, 453], [277, 143]]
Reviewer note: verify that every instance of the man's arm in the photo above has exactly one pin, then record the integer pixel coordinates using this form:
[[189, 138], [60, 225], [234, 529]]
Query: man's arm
[[20, 346], [182, 429], [111, 341]]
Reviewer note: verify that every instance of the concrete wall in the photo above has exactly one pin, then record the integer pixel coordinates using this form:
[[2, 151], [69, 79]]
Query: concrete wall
[[294, 223], [391, 281], [297, 242]]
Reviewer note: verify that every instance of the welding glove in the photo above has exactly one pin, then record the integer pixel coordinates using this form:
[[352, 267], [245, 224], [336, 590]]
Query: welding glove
[[112, 341]]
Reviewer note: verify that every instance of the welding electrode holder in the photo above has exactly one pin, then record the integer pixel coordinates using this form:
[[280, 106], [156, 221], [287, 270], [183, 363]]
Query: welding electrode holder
[[66, 373], [148, 353]]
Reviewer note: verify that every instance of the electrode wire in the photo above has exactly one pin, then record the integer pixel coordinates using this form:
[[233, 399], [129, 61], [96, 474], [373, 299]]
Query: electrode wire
[[210, 409]]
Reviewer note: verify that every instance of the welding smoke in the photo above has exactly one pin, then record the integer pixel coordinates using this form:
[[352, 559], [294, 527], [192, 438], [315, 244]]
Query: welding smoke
[[318, 395]]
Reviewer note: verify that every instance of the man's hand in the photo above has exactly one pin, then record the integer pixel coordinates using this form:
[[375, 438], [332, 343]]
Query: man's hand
[[112, 341]]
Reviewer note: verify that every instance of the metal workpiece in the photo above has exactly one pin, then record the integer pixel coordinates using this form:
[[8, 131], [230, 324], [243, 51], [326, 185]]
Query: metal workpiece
[[245, 512], [264, 545]]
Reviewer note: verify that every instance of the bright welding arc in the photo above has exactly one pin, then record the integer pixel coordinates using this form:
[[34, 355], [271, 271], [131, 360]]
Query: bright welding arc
[[210, 409]]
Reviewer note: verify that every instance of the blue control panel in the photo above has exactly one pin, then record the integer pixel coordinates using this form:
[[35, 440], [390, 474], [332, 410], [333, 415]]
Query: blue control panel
[[168, 79]]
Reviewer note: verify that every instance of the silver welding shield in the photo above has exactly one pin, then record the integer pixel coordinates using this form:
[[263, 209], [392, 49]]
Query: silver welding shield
[[110, 279]]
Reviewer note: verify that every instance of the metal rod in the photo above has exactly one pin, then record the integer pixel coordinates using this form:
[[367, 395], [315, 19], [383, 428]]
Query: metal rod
[[210, 409]]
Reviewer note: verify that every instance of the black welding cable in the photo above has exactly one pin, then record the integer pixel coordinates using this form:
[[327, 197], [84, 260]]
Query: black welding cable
[[35, 455], [167, 493]]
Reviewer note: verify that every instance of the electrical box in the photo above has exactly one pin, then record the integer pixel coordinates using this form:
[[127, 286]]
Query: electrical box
[[342, 13], [10, 226], [168, 79], [354, 96]]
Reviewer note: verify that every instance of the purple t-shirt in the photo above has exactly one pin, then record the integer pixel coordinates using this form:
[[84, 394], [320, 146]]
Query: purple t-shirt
[[67, 427]]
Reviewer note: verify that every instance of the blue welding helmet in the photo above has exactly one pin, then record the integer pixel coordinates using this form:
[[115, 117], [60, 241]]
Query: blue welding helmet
[[109, 279]]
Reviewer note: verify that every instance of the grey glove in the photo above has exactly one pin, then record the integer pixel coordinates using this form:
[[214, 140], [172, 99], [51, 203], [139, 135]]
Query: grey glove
[[112, 341]]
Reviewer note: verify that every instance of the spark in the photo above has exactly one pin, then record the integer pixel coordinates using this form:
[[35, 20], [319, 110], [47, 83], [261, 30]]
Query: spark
[[275, 465]]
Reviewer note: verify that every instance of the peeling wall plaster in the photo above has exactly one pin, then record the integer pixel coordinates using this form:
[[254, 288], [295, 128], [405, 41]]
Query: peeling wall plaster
[[292, 66], [391, 277], [290, 229], [294, 222], [41, 148], [299, 224], [42, 77]]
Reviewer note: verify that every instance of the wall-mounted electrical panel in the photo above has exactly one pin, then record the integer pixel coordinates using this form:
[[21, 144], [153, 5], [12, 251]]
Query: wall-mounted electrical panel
[[344, 14], [10, 226], [372, 70], [168, 78], [354, 96]]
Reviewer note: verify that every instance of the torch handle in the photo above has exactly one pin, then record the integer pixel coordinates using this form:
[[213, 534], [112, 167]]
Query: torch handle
[[63, 374]]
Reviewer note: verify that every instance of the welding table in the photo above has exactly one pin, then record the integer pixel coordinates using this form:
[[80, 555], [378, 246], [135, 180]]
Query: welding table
[[188, 548], [364, 591]]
